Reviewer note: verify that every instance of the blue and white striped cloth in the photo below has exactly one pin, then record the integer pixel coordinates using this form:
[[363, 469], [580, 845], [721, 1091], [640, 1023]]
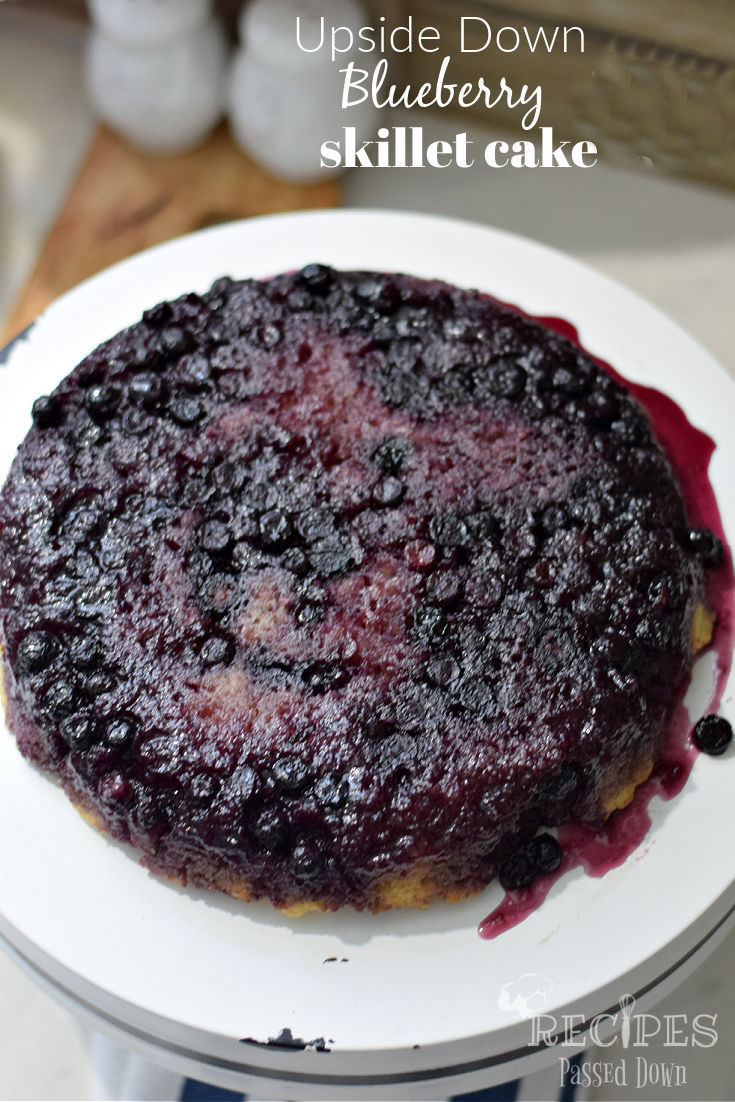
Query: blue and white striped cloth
[[123, 1076]]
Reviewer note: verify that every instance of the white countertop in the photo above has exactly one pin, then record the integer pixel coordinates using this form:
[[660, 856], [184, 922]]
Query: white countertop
[[672, 241]]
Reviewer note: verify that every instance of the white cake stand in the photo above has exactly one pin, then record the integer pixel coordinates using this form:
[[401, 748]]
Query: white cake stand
[[414, 1004]]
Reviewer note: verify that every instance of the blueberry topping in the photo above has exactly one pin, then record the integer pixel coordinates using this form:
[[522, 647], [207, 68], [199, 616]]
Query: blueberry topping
[[214, 537], [78, 731], [306, 862], [389, 491], [120, 731], [295, 560], [217, 650], [102, 401], [332, 791], [194, 371], [47, 411], [517, 872], [269, 829], [449, 530], [563, 783], [186, 410], [712, 735], [390, 454], [35, 652], [204, 789], [506, 381], [274, 527], [291, 774], [316, 524], [59, 701], [268, 336], [317, 277], [85, 652], [705, 545], [544, 853], [149, 389]]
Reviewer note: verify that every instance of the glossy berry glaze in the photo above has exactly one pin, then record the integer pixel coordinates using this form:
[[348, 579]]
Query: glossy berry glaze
[[312, 582], [598, 851]]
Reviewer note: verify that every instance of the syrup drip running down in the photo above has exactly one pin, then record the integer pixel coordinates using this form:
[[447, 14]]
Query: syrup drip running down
[[689, 451]]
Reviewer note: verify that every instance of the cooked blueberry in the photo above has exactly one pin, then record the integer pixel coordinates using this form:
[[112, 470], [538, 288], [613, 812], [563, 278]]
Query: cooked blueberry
[[115, 789], [544, 853], [214, 537], [378, 293], [60, 700], [442, 671], [563, 783], [332, 556], [309, 612], [443, 588], [102, 400], [185, 409], [85, 652], [98, 683], [269, 829], [274, 527], [506, 380], [194, 371], [449, 530], [295, 560], [78, 731], [268, 336], [175, 340], [712, 734], [317, 277], [390, 454], [149, 389], [316, 524], [291, 774], [323, 676], [120, 731], [419, 555], [429, 623], [389, 491], [705, 545], [158, 315], [35, 652], [204, 788], [47, 411], [516, 873], [306, 862], [332, 790], [553, 519], [217, 650], [483, 525]]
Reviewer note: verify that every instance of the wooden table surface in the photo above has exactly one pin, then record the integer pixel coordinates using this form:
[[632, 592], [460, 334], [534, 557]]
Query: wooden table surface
[[123, 201]]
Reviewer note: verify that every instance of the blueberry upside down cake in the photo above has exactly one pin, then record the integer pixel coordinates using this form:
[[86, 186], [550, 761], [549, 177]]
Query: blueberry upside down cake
[[337, 588]]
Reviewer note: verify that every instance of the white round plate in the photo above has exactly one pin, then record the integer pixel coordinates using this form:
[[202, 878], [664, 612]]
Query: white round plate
[[403, 1001]]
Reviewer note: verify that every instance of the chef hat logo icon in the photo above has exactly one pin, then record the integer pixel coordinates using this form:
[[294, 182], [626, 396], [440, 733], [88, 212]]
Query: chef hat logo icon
[[526, 995]]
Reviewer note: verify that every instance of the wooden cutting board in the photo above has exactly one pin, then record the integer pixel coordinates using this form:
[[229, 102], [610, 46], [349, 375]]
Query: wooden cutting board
[[123, 201]]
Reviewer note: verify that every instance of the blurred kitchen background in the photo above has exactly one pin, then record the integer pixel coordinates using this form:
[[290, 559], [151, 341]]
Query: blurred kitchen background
[[655, 88]]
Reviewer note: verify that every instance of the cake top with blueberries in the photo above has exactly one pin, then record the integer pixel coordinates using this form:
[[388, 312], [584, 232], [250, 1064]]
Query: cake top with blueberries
[[316, 584]]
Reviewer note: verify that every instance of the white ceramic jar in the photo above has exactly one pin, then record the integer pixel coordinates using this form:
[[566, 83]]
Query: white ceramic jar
[[149, 22], [284, 101], [156, 71]]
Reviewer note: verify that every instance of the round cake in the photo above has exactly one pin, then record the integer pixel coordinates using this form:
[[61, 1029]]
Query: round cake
[[337, 588]]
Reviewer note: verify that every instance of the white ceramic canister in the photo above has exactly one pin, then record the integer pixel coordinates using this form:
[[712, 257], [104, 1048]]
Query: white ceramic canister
[[149, 22], [163, 98], [285, 101]]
